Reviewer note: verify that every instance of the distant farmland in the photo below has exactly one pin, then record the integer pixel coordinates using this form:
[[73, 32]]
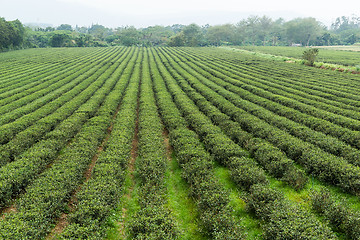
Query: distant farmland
[[343, 55], [176, 143]]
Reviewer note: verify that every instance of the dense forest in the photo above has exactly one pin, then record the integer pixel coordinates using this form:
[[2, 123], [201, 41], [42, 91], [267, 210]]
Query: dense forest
[[254, 30]]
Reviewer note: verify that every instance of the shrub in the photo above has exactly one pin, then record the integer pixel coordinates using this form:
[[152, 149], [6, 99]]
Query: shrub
[[310, 56], [245, 173], [338, 213]]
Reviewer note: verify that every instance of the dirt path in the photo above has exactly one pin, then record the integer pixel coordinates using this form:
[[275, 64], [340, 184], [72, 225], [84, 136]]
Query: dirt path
[[131, 168], [62, 222], [168, 147], [9, 209]]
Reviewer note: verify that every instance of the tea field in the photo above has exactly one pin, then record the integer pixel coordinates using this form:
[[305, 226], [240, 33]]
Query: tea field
[[342, 55], [176, 143]]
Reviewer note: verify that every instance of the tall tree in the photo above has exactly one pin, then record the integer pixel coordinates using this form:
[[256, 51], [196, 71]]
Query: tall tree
[[59, 39], [216, 35], [277, 31], [156, 35], [99, 32], [128, 36], [193, 35], [177, 41], [265, 27], [65, 27], [303, 30], [252, 27], [11, 34]]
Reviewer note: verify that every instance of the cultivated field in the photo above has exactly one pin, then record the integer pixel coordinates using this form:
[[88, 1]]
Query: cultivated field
[[176, 143], [342, 55]]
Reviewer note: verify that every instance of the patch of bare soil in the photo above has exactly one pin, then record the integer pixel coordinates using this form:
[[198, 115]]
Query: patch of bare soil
[[59, 228], [131, 167], [10, 209], [168, 147]]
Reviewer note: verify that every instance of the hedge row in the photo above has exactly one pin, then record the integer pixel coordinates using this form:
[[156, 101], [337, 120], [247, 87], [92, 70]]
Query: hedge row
[[256, 76], [27, 58], [11, 129], [340, 216], [327, 167], [284, 220], [269, 157], [64, 176], [339, 87], [154, 220], [211, 199], [34, 74], [26, 93], [28, 101], [318, 123], [99, 196], [49, 194], [59, 110], [247, 175], [18, 174], [328, 143]]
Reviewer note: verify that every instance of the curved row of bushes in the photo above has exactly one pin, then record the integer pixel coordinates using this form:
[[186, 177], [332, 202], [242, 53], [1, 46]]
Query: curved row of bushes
[[34, 78], [100, 195], [16, 175], [211, 199], [48, 195], [340, 216], [12, 79], [42, 84], [246, 173], [309, 81], [18, 124], [57, 111], [269, 157], [154, 219], [327, 167], [284, 106], [327, 143], [30, 100]]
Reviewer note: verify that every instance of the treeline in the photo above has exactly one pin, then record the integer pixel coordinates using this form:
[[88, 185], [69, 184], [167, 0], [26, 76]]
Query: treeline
[[253, 30], [11, 34]]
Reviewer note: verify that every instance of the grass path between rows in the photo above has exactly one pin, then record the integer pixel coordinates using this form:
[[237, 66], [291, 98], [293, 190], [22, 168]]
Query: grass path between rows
[[128, 204], [183, 208]]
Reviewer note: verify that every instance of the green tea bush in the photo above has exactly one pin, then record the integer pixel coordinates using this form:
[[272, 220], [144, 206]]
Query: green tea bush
[[343, 218]]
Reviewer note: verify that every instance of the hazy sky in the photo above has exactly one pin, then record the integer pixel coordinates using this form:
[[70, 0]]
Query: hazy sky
[[142, 13]]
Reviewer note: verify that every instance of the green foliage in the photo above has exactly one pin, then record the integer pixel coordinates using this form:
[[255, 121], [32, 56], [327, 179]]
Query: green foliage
[[303, 30], [65, 27], [272, 198], [326, 55], [283, 219], [220, 34], [310, 56], [338, 213], [245, 173], [99, 195], [11, 34], [128, 36], [154, 220], [49, 193], [254, 30], [191, 36], [177, 41], [254, 117], [211, 198]]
